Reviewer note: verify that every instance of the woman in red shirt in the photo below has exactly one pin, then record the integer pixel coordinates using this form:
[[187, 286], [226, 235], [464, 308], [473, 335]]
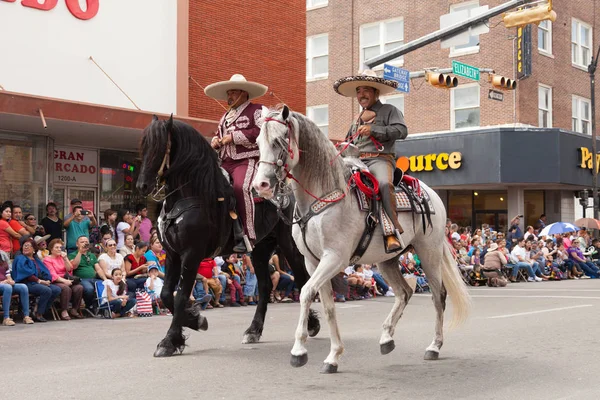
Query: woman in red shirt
[[136, 264], [6, 232]]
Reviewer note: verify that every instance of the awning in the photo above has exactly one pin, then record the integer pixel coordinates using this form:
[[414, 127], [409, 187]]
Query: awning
[[82, 124]]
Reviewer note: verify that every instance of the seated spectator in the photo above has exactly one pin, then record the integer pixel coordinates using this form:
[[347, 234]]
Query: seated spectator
[[286, 279], [412, 269], [86, 267], [493, 263], [153, 283], [519, 261], [251, 286], [356, 282], [577, 257], [274, 274], [42, 246], [111, 260], [137, 267], [31, 271], [233, 281], [115, 293], [384, 288], [530, 234], [110, 216], [129, 247], [594, 251], [207, 274], [7, 287], [476, 257], [532, 256], [476, 276], [155, 253], [60, 269]]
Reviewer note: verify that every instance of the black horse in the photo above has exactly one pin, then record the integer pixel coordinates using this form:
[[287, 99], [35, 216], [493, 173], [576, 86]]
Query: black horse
[[195, 223]]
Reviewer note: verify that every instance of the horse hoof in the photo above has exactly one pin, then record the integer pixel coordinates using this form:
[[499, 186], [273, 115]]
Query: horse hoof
[[314, 331], [387, 348], [299, 361], [203, 323], [431, 355], [251, 338], [164, 351], [328, 368]]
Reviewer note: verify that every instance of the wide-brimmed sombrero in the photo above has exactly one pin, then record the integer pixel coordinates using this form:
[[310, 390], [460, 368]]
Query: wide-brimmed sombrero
[[219, 90], [347, 86]]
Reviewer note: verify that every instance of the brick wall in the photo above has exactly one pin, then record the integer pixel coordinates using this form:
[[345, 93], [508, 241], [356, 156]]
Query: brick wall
[[427, 109], [264, 41]]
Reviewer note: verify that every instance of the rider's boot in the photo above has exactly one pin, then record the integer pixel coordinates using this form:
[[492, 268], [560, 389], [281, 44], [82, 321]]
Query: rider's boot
[[238, 238], [393, 243]]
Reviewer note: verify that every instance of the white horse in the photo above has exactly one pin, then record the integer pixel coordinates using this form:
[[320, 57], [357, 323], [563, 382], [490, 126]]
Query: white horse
[[292, 146]]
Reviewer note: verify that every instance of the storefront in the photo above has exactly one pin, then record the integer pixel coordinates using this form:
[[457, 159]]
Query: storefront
[[491, 175]]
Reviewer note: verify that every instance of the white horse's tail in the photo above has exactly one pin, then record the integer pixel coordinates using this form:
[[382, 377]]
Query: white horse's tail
[[455, 287]]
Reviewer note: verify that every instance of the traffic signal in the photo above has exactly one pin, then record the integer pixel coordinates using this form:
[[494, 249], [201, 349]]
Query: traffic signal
[[440, 80], [503, 83], [533, 15]]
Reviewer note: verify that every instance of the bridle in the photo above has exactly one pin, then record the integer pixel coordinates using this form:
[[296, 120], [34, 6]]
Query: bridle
[[160, 187]]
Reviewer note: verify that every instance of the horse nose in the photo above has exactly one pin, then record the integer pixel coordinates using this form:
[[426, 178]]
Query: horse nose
[[262, 186], [142, 187]]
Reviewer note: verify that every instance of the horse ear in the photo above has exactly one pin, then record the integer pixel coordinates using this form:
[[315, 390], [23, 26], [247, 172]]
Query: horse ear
[[154, 117], [170, 123], [285, 113]]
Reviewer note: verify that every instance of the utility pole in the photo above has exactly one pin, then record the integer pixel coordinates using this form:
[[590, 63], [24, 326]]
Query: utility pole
[[592, 70], [446, 32]]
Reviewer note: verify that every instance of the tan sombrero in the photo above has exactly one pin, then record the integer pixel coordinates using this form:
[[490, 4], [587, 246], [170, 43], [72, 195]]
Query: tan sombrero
[[347, 86], [219, 90]]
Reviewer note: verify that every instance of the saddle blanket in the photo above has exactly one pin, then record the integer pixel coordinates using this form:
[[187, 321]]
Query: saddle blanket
[[403, 203]]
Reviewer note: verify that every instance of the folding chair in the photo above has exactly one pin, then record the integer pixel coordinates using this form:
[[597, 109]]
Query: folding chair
[[103, 308]]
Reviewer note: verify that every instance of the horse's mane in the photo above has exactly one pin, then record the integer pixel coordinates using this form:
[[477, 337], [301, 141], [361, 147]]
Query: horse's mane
[[316, 155], [193, 166]]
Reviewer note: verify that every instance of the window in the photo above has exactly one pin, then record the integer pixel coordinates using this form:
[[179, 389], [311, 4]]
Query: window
[[310, 4], [464, 104], [317, 56], [395, 100], [581, 43], [473, 45], [545, 37], [381, 37], [320, 116], [581, 115], [545, 106]]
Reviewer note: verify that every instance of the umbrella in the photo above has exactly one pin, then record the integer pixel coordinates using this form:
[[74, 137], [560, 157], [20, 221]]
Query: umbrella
[[558, 227], [589, 223]]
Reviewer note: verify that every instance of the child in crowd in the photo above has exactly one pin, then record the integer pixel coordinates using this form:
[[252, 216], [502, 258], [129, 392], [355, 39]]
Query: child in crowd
[[476, 258], [251, 286], [153, 284], [115, 293]]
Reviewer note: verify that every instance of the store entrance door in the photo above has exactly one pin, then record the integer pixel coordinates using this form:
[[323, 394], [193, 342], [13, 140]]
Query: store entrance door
[[63, 195], [497, 219]]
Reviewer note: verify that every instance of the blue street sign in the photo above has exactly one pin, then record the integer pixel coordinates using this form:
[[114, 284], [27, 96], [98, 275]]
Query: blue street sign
[[399, 75]]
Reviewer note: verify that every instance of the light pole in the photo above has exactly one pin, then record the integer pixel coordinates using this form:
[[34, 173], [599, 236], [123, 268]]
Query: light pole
[[592, 71]]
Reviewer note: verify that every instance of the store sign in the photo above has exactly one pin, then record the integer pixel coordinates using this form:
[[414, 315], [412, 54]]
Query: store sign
[[587, 162], [523, 52], [73, 6], [429, 162], [75, 166]]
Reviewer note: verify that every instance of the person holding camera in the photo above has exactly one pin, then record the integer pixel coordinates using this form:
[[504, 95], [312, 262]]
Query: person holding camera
[[61, 271], [77, 225], [127, 224], [85, 266]]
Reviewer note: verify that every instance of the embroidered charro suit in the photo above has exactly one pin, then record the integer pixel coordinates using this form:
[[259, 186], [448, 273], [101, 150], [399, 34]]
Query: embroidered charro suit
[[239, 157]]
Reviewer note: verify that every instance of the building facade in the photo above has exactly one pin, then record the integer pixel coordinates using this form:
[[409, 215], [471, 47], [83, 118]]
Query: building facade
[[550, 105], [77, 87]]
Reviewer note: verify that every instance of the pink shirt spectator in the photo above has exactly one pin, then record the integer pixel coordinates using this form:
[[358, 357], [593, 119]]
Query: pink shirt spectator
[[145, 227], [56, 266]]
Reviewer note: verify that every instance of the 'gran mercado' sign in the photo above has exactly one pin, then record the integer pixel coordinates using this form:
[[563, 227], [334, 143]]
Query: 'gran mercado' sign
[[429, 162]]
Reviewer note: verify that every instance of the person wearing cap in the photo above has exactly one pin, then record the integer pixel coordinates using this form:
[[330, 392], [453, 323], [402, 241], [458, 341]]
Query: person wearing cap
[[235, 141], [153, 283], [52, 224], [375, 132], [31, 271]]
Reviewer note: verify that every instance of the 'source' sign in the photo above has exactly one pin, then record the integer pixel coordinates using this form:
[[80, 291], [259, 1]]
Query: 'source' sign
[[72, 5], [429, 162]]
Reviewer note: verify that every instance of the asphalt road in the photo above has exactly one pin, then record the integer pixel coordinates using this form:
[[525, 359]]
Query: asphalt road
[[525, 341]]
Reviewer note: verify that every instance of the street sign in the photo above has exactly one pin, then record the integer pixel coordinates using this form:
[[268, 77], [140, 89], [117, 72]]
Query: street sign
[[495, 95], [399, 75], [465, 70]]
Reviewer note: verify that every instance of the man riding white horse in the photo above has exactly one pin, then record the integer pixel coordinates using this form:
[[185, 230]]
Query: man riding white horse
[[235, 141], [375, 132]]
